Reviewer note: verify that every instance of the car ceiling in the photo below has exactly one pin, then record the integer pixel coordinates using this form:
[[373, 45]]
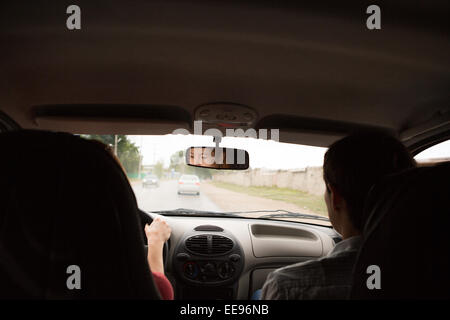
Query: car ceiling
[[310, 61]]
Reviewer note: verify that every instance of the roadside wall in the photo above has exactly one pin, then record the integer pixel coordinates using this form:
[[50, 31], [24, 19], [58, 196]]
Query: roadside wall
[[309, 179]]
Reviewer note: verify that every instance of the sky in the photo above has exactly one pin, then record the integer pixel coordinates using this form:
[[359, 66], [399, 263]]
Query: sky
[[263, 153], [441, 150]]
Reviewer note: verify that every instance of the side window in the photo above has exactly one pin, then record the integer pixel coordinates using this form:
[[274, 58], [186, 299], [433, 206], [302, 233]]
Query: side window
[[438, 153], [7, 123]]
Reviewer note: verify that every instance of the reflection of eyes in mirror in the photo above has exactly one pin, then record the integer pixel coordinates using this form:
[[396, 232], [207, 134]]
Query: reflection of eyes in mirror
[[206, 157], [217, 158]]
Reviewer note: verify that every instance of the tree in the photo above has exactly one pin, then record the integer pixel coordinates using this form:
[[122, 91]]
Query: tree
[[177, 161], [158, 169], [127, 151]]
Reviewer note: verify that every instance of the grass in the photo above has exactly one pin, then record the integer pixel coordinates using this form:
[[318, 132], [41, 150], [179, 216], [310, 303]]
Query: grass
[[302, 199]]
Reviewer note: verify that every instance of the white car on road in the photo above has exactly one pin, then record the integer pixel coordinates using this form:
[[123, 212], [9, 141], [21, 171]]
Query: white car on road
[[189, 184]]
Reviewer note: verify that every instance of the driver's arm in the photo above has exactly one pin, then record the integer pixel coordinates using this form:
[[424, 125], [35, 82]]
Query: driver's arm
[[158, 232]]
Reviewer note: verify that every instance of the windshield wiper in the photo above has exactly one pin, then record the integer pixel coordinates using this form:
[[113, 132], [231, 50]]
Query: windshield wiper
[[284, 214], [191, 212]]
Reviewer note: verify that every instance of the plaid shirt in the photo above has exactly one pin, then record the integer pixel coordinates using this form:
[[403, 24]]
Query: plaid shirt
[[325, 278]]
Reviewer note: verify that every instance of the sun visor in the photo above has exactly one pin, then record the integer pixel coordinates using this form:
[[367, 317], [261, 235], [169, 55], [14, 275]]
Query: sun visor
[[107, 119], [313, 131]]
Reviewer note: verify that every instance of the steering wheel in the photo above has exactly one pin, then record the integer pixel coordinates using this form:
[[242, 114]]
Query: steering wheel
[[147, 219]]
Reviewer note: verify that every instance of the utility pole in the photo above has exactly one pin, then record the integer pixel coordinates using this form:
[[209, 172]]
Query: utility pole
[[140, 159], [139, 168], [115, 145]]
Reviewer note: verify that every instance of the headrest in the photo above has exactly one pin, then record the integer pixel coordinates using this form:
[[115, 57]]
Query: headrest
[[64, 201], [407, 236]]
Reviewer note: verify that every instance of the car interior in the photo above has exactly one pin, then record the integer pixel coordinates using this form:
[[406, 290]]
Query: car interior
[[311, 72]]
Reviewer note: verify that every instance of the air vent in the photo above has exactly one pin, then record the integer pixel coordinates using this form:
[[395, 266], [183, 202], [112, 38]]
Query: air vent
[[209, 244], [198, 244], [221, 245]]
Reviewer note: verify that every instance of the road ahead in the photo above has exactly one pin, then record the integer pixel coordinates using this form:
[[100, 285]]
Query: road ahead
[[211, 198], [165, 197]]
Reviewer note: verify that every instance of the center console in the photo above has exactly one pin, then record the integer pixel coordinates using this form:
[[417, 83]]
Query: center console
[[208, 262]]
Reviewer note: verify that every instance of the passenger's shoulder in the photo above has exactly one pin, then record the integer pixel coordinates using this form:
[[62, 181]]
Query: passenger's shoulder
[[299, 271], [314, 270]]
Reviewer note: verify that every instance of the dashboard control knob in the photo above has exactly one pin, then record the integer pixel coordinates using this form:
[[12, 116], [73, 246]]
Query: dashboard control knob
[[190, 270], [209, 269], [225, 270], [235, 257]]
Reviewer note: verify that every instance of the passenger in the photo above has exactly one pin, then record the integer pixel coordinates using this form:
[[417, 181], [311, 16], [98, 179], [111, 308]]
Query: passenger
[[351, 167], [158, 232]]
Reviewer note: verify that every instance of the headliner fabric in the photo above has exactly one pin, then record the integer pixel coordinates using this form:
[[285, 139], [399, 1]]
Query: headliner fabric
[[64, 201], [407, 235]]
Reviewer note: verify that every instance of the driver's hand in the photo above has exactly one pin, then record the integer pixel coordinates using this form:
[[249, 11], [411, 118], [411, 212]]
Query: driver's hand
[[158, 232]]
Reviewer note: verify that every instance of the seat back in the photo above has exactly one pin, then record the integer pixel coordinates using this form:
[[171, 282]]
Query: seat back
[[407, 235]]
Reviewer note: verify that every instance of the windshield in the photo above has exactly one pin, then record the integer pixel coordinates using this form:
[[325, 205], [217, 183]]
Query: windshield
[[284, 181], [437, 153]]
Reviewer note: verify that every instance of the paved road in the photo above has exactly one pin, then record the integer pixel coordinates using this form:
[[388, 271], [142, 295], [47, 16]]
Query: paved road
[[211, 198], [165, 197]]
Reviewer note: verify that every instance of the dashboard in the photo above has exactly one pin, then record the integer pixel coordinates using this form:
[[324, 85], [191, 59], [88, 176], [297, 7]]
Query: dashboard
[[230, 258]]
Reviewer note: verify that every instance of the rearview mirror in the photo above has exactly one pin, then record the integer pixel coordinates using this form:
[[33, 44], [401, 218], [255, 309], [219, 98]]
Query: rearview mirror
[[217, 158]]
